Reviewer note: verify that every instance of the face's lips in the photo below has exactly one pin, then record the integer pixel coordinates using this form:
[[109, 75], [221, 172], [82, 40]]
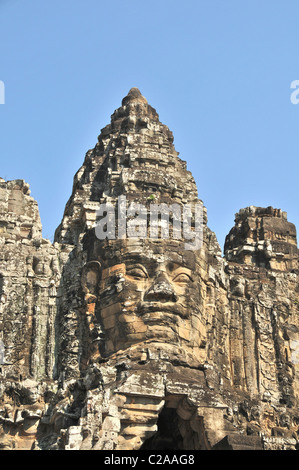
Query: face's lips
[[168, 307]]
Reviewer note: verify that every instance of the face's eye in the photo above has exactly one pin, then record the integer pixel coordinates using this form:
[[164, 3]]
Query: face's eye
[[137, 272], [182, 278]]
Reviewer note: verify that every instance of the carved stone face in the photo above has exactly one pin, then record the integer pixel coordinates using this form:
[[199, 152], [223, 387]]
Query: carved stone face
[[237, 285], [149, 293]]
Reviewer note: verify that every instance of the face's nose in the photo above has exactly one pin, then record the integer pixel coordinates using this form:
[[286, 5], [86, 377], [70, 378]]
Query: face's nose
[[161, 290]]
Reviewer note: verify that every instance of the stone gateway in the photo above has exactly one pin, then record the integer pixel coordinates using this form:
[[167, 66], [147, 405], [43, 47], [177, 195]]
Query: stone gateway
[[142, 343]]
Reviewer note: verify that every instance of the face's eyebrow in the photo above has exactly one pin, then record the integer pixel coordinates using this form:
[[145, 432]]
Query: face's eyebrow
[[140, 258], [179, 268], [149, 263]]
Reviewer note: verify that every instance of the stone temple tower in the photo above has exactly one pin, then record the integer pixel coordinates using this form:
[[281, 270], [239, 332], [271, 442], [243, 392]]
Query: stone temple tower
[[140, 339]]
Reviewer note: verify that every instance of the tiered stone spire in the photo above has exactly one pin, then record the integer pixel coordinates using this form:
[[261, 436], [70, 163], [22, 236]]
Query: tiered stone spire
[[263, 237], [135, 343], [134, 156]]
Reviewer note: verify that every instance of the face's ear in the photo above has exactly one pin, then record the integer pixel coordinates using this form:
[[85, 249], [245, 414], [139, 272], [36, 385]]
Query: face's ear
[[90, 277]]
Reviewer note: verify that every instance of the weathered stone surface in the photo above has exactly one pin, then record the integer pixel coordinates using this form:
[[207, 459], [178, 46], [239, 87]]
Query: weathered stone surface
[[139, 342], [264, 238], [29, 275]]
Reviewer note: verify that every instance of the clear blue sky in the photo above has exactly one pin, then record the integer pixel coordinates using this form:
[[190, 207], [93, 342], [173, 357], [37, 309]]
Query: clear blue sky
[[217, 71]]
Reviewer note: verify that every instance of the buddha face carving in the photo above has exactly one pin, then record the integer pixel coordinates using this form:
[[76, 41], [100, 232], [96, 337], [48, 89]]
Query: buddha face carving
[[149, 294], [237, 285]]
